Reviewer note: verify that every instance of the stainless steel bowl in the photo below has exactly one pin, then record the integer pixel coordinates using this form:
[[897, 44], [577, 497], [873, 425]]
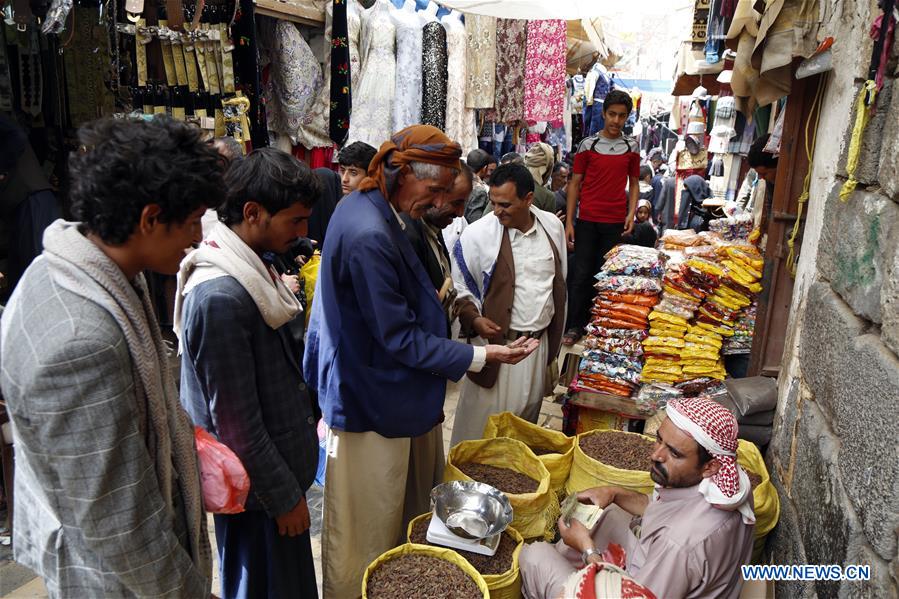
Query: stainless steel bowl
[[470, 509]]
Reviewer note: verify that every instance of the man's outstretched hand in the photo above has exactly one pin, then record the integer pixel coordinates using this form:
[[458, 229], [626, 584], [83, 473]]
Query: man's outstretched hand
[[513, 353]]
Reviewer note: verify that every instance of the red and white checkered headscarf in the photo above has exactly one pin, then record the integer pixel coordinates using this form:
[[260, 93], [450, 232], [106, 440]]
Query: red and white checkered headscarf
[[715, 428]]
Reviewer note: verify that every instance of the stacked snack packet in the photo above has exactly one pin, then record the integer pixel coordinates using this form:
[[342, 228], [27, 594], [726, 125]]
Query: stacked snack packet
[[627, 289]]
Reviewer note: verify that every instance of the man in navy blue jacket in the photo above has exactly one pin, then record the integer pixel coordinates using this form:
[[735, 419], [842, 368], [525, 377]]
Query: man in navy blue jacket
[[241, 373], [378, 353]]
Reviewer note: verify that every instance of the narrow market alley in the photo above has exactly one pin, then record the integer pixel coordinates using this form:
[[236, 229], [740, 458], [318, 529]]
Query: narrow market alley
[[449, 298]]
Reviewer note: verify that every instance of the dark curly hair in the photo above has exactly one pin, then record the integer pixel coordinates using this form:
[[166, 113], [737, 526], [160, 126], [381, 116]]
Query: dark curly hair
[[358, 154], [274, 179], [618, 96], [126, 164]]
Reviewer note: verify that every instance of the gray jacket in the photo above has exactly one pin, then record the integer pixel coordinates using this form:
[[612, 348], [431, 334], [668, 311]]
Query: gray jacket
[[243, 382], [89, 517]]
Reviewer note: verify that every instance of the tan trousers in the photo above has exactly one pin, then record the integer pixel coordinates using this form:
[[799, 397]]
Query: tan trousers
[[373, 487]]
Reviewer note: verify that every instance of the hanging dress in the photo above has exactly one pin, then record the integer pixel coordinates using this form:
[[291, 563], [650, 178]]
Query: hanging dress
[[372, 118], [460, 121], [511, 41], [481, 90], [544, 90], [407, 108], [434, 75]]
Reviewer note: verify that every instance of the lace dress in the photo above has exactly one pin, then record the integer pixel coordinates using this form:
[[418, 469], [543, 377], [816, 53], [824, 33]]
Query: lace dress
[[296, 77], [481, 32], [372, 118], [433, 75], [511, 41], [407, 108], [544, 90], [460, 121]]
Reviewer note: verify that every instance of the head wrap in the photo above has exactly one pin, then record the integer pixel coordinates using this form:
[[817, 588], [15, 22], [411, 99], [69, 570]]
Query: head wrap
[[418, 143], [647, 204], [715, 428], [540, 160]]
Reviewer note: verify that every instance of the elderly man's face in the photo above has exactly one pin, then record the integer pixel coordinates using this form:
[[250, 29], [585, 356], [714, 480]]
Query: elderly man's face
[[416, 196], [560, 179], [675, 459], [442, 216]]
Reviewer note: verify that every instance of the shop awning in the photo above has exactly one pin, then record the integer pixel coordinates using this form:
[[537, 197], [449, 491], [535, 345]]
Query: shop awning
[[530, 9]]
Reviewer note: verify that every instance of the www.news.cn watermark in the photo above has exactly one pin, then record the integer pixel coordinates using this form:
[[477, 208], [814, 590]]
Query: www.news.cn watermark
[[807, 572]]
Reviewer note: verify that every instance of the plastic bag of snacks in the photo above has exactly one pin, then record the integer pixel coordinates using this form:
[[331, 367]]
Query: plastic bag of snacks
[[624, 259], [627, 284], [655, 396]]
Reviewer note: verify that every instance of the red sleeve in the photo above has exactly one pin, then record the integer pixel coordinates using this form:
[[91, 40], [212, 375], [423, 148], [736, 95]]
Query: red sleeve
[[634, 166], [580, 163]]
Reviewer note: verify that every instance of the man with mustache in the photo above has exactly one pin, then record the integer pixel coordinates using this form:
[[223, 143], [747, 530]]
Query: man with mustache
[[379, 356], [695, 531], [241, 372]]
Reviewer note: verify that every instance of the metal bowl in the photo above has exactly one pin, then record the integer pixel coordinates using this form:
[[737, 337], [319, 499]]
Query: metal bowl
[[470, 509]]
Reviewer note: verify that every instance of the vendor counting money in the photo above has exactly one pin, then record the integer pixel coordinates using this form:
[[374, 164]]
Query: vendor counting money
[[688, 540]]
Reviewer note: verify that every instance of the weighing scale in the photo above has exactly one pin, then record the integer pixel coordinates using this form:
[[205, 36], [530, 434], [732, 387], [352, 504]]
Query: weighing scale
[[439, 534]]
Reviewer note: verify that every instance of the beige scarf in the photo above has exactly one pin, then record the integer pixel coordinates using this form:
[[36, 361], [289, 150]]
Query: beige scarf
[[224, 254], [78, 265]]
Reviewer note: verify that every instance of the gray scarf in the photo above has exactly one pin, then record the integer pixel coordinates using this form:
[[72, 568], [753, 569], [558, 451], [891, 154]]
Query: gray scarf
[[78, 265]]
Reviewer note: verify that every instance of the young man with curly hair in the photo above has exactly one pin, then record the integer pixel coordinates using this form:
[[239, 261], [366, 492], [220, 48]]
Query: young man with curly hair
[[108, 500], [241, 373]]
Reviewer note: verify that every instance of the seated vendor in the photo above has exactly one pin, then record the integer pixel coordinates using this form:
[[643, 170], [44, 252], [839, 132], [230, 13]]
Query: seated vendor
[[688, 540]]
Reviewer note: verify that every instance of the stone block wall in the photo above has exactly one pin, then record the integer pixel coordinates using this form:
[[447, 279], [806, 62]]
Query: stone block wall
[[834, 457]]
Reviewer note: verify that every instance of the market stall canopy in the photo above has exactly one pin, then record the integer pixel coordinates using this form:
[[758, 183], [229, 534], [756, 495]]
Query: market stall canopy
[[530, 9], [587, 44]]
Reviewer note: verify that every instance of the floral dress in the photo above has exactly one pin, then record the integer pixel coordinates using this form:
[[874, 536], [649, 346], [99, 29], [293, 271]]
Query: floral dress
[[372, 118]]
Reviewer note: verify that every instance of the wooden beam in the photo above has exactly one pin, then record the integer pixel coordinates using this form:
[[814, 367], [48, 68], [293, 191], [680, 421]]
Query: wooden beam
[[302, 13]]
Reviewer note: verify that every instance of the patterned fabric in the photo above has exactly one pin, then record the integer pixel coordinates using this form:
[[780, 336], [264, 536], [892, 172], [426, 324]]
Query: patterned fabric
[[434, 75], [481, 84], [511, 41], [460, 121], [407, 109], [341, 103], [544, 91], [717, 433], [295, 77], [372, 117]]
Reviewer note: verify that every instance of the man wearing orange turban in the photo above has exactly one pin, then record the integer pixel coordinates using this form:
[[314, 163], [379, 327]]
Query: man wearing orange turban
[[378, 355]]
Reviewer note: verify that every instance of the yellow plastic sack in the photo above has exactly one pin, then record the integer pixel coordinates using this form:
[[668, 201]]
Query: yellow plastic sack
[[507, 424], [766, 501], [534, 513], [438, 552], [587, 473], [309, 273], [502, 586]]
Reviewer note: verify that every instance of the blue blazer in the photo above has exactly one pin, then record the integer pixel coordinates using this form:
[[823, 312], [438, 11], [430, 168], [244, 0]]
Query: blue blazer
[[377, 348], [242, 381]]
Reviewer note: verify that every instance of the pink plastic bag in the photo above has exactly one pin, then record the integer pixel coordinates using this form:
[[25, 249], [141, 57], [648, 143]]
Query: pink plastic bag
[[225, 481]]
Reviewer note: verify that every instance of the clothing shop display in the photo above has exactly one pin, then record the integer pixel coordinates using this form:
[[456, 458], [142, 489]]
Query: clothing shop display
[[511, 47], [407, 107], [544, 92], [597, 85], [295, 77], [481, 77], [372, 118], [460, 121], [434, 75], [340, 104]]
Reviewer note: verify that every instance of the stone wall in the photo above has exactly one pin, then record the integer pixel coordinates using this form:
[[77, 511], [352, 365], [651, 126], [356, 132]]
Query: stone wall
[[834, 457]]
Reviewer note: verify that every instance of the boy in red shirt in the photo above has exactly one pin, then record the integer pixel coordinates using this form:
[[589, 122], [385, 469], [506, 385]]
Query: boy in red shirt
[[606, 166]]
